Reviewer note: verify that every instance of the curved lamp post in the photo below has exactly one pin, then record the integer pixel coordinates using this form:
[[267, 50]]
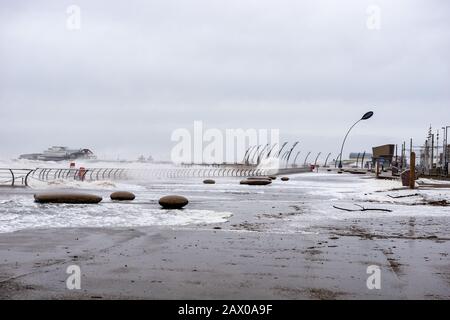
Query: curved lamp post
[[256, 152], [290, 152], [317, 158], [284, 154], [246, 152], [366, 116], [271, 149], [296, 156], [258, 160], [326, 160], [306, 159], [247, 159], [282, 147]]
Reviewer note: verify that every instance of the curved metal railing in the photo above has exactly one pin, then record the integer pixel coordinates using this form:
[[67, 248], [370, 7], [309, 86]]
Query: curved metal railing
[[14, 177], [92, 174], [96, 174], [22, 177]]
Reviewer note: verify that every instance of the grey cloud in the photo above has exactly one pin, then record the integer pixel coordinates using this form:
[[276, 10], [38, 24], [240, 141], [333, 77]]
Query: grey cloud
[[136, 71]]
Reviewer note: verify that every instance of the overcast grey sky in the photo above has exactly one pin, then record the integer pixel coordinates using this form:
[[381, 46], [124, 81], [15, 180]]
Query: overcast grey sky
[[137, 70]]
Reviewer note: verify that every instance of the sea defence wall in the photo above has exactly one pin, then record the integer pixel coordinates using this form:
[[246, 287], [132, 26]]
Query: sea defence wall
[[22, 177]]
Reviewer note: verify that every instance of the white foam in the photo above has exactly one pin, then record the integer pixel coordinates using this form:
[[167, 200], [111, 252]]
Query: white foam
[[24, 213], [85, 185]]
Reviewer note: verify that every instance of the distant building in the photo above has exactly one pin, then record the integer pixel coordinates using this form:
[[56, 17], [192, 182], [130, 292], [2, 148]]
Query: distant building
[[143, 159], [57, 153], [359, 155], [30, 156]]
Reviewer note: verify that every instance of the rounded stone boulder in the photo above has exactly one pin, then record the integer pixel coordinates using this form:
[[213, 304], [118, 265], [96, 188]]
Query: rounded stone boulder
[[173, 202], [74, 198], [209, 181], [285, 179], [254, 182], [122, 196]]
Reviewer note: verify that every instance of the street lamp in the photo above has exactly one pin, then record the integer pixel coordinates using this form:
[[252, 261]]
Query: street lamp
[[247, 154], [271, 149], [256, 152], [290, 152], [366, 116]]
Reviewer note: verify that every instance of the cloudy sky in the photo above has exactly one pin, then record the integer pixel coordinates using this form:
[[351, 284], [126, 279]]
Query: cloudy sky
[[137, 70]]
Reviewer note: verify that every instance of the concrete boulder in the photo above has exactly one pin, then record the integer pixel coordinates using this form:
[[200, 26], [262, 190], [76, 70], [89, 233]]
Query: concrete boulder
[[74, 198], [209, 181], [173, 202], [122, 196], [255, 182]]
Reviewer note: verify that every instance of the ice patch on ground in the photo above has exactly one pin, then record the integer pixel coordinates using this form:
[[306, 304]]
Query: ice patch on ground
[[433, 181], [324, 213], [346, 191]]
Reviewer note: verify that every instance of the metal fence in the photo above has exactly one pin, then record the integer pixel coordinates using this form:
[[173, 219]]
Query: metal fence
[[22, 177], [46, 174], [14, 177], [199, 172]]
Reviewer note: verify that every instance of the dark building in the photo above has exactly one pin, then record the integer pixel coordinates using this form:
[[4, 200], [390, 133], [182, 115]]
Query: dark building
[[383, 154]]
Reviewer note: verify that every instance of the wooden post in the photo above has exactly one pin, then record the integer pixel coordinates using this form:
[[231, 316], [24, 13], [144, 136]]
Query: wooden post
[[412, 171], [377, 168], [432, 152], [403, 154], [396, 154]]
